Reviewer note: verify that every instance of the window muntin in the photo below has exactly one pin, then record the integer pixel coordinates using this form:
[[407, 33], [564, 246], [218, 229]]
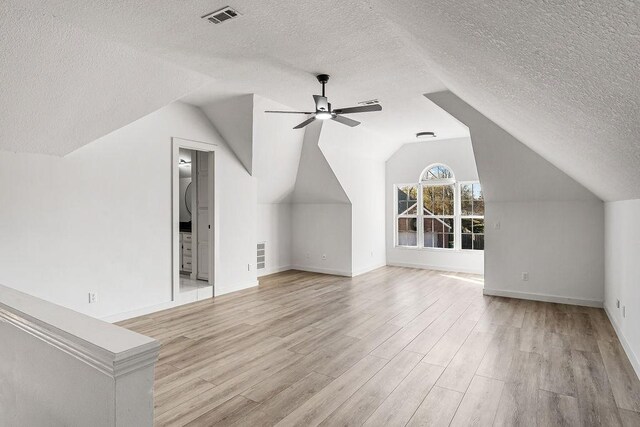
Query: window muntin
[[407, 215], [438, 225], [471, 216], [452, 214]]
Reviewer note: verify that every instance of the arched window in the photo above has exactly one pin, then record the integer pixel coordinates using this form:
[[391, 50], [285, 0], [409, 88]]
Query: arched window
[[437, 173], [439, 212]]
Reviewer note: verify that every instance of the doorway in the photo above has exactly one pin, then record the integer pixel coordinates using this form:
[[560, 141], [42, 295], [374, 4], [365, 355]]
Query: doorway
[[193, 220]]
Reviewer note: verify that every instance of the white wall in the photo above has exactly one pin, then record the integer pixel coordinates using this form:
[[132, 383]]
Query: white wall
[[274, 228], [99, 219], [622, 280], [322, 229], [550, 226], [405, 167], [361, 175]]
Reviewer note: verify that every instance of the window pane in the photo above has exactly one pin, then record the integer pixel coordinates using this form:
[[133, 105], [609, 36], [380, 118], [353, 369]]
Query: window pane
[[438, 200], [407, 199], [429, 233], [467, 241], [448, 200], [478, 242], [449, 238], [466, 191], [478, 226], [428, 225], [428, 200], [466, 225], [478, 207], [437, 172], [477, 192], [467, 207], [407, 232]]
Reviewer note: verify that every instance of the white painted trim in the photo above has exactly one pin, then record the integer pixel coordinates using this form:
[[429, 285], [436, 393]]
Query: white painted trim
[[633, 358], [368, 269], [322, 270], [222, 290], [435, 267], [543, 297], [118, 317], [268, 271], [176, 144], [114, 352]]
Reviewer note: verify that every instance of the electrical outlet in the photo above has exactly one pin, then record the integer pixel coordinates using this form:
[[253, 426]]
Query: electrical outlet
[[617, 303], [496, 225], [624, 311], [93, 297], [324, 256], [525, 276], [308, 255], [248, 267], [371, 253]]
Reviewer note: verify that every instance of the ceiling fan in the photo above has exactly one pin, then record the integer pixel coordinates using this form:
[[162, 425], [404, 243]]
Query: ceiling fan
[[324, 111]]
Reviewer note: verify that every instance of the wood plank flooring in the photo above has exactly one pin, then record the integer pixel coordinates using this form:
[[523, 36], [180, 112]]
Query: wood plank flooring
[[393, 347]]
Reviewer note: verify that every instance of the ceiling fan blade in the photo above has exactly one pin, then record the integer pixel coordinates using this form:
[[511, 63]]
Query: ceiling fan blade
[[306, 122], [288, 112], [345, 121], [360, 109]]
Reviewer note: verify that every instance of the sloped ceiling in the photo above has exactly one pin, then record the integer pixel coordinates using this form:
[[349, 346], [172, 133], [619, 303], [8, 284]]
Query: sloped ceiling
[[561, 76], [63, 87], [508, 170], [276, 151], [316, 182], [233, 118]]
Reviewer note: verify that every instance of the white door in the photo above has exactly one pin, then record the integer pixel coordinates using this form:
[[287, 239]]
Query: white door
[[202, 166]]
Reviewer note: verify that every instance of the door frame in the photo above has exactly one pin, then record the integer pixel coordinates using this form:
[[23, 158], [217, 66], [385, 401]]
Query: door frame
[[176, 144]]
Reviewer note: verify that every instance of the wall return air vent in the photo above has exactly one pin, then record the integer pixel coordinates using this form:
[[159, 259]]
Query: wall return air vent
[[221, 15]]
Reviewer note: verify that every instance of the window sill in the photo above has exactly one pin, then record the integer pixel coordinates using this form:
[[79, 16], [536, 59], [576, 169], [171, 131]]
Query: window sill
[[416, 248]]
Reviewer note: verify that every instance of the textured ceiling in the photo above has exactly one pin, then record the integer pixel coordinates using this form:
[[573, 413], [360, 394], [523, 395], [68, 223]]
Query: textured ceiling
[[561, 76], [62, 87], [274, 50]]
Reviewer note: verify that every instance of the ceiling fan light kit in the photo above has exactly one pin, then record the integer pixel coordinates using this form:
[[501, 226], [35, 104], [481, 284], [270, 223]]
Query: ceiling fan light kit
[[324, 111], [424, 135]]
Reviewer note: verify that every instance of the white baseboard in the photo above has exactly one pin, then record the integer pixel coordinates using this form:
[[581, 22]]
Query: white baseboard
[[275, 270], [543, 297], [143, 311], [368, 269], [635, 361], [322, 270], [222, 290], [435, 267]]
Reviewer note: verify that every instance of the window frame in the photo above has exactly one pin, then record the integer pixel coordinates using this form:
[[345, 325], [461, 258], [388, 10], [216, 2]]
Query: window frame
[[460, 216], [396, 215], [420, 216]]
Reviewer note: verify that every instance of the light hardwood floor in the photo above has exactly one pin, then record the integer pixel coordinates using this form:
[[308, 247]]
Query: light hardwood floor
[[393, 347]]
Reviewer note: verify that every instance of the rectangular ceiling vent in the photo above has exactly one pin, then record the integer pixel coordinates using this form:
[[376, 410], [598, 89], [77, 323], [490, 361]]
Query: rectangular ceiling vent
[[221, 15], [369, 102]]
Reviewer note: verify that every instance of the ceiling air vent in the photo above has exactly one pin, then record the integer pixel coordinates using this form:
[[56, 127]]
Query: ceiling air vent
[[221, 15]]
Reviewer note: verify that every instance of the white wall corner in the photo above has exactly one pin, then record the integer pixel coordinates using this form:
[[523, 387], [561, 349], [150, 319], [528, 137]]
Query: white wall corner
[[633, 357]]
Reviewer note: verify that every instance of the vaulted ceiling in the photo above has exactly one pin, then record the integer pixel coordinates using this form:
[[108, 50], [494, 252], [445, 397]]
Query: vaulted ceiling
[[559, 76]]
